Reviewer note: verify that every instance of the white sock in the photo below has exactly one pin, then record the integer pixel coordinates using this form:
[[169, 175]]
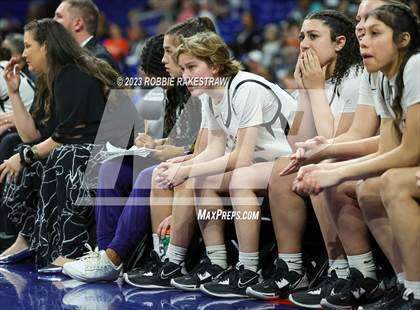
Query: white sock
[[400, 278], [340, 266], [156, 244], [414, 286], [364, 263], [176, 254], [249, 260], [294, 261], [217, 255]]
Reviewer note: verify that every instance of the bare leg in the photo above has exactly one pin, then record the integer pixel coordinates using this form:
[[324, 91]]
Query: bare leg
[[184, 220], [348, 218], [377, 220], [288, 211], [328, 229], [208, 191], [160, 203], [243, 188], [399, 193]]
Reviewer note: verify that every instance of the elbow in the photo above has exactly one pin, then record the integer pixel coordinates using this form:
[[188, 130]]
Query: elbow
[[412, 159], [241, 163], [32, 138]]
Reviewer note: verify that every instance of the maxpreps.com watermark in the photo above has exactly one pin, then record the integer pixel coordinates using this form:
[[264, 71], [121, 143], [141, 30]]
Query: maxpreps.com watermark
[[212, 215], [171, 81]]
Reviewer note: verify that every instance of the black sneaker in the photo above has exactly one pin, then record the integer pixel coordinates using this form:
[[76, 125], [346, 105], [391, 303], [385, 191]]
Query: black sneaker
[[405, 301], [280, 285], [152, 264], [205, 272], [160, 278], [393, 292], [233, 282], [357, 292], [313, 296]]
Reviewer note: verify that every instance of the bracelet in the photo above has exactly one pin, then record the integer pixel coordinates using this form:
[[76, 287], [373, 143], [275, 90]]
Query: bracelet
[[34, 150]]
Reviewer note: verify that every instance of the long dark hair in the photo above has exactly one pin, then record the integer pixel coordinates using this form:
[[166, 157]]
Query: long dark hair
[[348, 56], [62, 49], [401, 19]]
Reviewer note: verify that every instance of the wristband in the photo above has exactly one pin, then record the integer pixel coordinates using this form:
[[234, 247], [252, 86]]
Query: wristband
[[35, 153]]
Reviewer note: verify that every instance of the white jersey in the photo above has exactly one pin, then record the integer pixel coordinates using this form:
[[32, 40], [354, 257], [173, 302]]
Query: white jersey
[[250, 100], [26, 90], [204, 117], [343, 98], [411, 92], [368, 88]]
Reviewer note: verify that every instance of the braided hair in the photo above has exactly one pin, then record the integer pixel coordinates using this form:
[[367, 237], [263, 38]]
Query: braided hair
[[151, 57], [401, 19], [341, 25]]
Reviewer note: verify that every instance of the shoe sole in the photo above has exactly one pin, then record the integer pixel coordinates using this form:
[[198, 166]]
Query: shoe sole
[[303, 305], [88, 280], [326, 305], [183, 287], [252, 293], [204, 290]]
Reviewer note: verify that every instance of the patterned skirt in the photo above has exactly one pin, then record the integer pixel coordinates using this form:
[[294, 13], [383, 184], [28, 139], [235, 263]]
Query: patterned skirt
[[44, 203]]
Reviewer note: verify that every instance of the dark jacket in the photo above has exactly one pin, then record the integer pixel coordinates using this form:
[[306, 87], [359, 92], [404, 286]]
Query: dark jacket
[[99, 51]]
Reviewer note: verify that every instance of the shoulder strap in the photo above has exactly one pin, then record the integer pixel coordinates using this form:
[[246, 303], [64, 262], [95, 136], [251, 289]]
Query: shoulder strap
[[283, 121]]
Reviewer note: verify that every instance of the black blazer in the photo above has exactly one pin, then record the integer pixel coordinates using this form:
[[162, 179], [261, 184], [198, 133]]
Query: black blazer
[[99, 51]]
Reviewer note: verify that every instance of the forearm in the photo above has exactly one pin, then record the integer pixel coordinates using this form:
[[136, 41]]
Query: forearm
[[24, 122], [44, 148], [340, 164], [396, 158], [352, 149], [205, 156], [303, 126], [220, 165], [323, 118]]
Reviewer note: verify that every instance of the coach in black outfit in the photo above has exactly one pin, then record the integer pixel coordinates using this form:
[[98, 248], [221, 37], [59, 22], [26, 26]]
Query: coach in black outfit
[[80, 18]]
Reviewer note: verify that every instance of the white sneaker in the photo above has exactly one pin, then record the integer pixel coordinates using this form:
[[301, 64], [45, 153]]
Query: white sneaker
[[93, 267]]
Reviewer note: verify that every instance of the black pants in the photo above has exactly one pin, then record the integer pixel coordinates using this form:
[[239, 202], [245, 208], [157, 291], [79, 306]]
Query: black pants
[[8, 232]]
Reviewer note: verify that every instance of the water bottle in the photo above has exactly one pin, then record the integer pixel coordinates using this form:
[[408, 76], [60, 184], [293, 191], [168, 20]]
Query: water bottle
[[164, 241]]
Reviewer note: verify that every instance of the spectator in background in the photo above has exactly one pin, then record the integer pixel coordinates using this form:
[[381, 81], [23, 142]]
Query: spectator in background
[[291, 31], [271, 45], [14, 42], [116, 44], [254, 64], [136, 38], [189, 9], [248, 39], [80, 18]]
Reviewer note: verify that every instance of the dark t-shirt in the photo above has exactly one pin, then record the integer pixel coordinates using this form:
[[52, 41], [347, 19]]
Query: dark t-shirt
[[79, 103], [45, 126]]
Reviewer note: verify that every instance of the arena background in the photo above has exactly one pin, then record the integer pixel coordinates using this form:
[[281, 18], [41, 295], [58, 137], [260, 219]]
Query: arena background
[[263, 34]]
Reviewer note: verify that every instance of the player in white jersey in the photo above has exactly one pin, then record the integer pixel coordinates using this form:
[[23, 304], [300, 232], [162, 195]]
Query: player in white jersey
[[248, 121], [391, 46], [328, 100]]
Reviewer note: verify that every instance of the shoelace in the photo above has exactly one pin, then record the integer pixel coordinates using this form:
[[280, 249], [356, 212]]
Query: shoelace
[[89, 254], [231, 273], [203, 266], [91, 257], [407, 293]]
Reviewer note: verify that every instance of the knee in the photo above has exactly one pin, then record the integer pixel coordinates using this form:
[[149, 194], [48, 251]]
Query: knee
[[240, 180], [391, 187], [206, 184], [365, 191]]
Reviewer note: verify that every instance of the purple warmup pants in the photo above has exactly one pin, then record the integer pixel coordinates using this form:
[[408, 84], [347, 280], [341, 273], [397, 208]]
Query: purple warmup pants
[[122, 223]]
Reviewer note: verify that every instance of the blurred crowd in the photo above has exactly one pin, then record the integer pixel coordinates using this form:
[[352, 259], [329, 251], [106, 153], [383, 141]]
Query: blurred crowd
[[268, 48]]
